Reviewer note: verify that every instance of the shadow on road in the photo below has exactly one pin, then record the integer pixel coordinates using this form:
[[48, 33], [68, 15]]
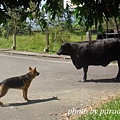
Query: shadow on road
[[31, 102], [111, 80]]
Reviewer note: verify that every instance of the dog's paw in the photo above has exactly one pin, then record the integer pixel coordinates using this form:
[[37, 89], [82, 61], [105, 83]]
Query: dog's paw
[[28, 100], [1, 104]]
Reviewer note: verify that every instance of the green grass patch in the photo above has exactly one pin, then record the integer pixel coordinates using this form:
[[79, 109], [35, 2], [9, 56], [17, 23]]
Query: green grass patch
[[37, 41], [107, 111], [34, 43]]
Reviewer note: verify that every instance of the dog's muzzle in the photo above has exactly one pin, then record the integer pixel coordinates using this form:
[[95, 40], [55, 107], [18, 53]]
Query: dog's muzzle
[[38, 73]]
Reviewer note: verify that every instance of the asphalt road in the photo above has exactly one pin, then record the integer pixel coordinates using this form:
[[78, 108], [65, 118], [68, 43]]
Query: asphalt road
[[56, 90]]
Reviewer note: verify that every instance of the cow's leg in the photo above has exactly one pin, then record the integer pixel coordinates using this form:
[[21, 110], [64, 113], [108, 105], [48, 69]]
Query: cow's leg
[[85, 69], [118, 75]]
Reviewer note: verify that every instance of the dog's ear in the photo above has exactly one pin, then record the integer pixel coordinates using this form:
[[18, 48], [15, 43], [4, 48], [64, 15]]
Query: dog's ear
[[35, 69], [30, 68]]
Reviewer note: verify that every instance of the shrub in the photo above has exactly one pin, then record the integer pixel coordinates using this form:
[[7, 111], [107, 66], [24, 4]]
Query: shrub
[[4, 34]]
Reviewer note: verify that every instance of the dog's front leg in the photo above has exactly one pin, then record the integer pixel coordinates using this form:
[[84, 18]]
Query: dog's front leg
[[25, 94], [3, 91]]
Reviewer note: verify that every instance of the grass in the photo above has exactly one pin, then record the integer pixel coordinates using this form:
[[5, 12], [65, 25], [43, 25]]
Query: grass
[[36, 42], [108, 111]]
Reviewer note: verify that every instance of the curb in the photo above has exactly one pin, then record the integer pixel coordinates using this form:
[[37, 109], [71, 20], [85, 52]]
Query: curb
[[45, 55]]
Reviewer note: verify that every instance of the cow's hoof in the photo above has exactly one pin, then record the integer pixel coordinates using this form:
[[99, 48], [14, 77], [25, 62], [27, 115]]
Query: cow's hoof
[[83, 81]]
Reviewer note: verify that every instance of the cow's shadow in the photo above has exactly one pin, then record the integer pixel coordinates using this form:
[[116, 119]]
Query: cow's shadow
[[110, 80], [31, 102]]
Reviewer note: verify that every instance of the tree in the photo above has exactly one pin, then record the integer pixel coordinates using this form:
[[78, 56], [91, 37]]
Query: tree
[[27, 7], [96, 11], [15, 17]]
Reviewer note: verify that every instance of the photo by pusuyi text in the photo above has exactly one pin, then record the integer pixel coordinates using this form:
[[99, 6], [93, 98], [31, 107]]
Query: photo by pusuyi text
[[100, 112]]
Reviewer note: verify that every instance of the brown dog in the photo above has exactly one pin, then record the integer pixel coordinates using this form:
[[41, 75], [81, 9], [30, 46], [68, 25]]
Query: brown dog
[[20, 82]]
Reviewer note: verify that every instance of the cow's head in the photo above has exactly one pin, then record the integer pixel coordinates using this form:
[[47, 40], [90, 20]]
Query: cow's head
[[64, 49]]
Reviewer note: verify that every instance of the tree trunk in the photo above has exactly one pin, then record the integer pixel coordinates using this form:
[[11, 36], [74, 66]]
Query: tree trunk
[[14, 41], [117, 28], [88, 36], [47, 43], [106, 29]]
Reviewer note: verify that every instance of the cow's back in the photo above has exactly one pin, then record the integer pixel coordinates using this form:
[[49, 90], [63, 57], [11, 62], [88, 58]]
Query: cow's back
[[100, 52]]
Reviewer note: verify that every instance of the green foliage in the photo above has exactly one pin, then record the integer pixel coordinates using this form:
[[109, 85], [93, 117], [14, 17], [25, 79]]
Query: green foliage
[[57, 38], [108, 111], [94, 12], [91, 12], [36, 42], [5, 43], [4, 33], [20, 6], [59, 35], [53, 7], [62, 36]]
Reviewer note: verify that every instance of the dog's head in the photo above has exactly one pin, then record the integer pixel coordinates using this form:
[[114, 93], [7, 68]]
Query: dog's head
[[33, 72]]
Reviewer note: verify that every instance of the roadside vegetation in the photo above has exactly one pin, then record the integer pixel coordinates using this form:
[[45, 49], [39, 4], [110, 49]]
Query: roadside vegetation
[[110, 110], [37, 41]]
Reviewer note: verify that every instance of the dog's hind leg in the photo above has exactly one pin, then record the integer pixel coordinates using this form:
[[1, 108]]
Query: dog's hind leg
[[25, 94], [3, 91]]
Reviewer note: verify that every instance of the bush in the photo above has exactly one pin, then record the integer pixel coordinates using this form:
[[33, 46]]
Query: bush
[[62, 36], [59, 35], [4, 34]]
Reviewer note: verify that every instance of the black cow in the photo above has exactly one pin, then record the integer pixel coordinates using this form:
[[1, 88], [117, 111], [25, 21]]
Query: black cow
[[100, 52]]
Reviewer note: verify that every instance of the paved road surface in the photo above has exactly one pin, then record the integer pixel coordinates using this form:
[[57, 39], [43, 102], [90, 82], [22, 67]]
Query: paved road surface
[[56, 90]]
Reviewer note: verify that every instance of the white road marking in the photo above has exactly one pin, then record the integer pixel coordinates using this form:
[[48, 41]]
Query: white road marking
[[37, 59]]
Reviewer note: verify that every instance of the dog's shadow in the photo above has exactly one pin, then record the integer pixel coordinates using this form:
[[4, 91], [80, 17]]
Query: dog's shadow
[[31, 102]]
